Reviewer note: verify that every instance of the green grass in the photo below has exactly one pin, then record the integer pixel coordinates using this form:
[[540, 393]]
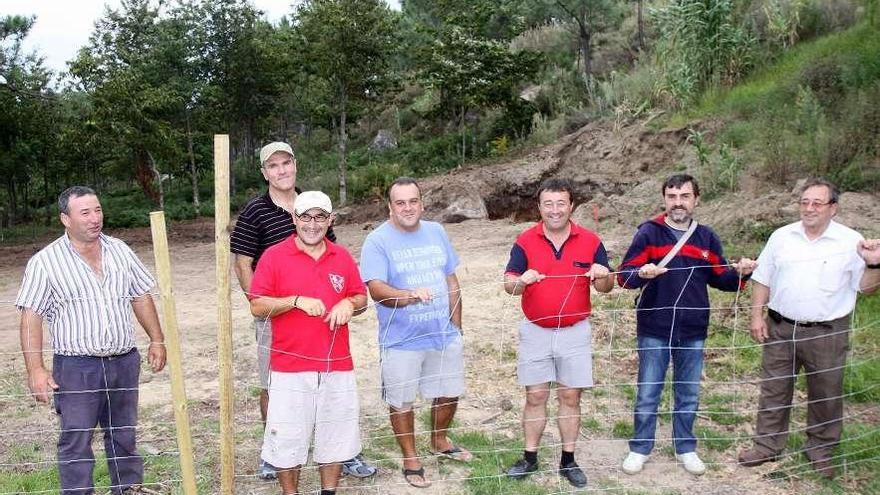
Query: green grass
[[45, 479], [713, 439], [862, 377], [854, 51], [721, 409], [494, 455], [622, 429]]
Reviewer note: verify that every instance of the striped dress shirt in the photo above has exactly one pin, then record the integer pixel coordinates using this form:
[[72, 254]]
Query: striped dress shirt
[[87, 315]]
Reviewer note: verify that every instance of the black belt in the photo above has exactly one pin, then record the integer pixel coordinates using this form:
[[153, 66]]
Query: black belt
[[778, 318]]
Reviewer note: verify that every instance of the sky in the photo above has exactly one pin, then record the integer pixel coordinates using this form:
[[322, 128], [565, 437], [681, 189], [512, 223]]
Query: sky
[[63, 26]]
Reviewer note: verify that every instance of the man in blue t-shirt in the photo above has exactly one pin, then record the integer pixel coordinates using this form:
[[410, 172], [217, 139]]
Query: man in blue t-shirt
[[409, 266]]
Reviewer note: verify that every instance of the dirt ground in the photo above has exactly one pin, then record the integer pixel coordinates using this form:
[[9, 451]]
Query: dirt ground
[[491, 405]]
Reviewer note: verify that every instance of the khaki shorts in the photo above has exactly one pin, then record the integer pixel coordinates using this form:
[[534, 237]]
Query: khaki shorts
[[431, 373], [263, 333], [561, 355], [310, 403]]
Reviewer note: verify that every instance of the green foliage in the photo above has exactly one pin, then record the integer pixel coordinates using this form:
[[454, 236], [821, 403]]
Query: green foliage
[[718, 170], [700, 45], [814, 111]]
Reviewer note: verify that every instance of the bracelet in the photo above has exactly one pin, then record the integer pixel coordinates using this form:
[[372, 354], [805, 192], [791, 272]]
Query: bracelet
[[875, 266], [295, 300]]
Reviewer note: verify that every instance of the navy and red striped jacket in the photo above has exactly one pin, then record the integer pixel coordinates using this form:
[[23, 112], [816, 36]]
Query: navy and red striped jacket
[[676, 304]]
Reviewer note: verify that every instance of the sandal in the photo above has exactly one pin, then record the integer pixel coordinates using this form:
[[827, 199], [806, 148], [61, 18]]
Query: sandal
[[420, 472], [456, 454]]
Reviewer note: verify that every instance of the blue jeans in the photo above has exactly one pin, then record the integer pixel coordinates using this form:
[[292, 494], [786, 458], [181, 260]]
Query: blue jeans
[[687, 367]]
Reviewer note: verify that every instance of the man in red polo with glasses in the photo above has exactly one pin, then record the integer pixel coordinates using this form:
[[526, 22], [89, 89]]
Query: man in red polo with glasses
[[310, 287], [552, 266]]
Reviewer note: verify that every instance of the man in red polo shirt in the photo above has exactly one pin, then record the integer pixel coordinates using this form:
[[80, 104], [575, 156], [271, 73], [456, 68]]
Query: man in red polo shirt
[[552, 266], [310, 287]]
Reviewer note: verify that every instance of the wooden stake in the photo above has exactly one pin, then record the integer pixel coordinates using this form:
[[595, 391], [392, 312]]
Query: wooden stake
[[224, 313], [172, 348]]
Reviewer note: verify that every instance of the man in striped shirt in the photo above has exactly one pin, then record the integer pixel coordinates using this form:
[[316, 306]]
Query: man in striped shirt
[[265, 221], [86, 284]]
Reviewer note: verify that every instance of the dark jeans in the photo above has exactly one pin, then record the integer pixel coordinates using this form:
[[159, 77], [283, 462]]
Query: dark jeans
[[97, 391], [821, 351], [687, 367]]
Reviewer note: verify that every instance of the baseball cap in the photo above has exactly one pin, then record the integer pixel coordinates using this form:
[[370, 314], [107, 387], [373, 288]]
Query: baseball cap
[[266, 151], [305, 201]]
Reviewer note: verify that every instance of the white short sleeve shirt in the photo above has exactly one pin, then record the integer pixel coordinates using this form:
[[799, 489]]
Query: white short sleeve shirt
[[814, 280]]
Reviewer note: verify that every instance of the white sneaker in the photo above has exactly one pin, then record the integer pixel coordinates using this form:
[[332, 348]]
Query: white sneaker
[[692, 463], [633, 463]]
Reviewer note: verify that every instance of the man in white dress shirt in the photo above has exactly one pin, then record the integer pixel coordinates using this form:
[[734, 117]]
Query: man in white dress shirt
[[808, 276]]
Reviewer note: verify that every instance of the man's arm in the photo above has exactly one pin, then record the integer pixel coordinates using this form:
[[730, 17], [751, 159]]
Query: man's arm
[[244, 271], [454, 299], [760, 297], [389, 296], [869, 250], [31, 335], [145, 312]]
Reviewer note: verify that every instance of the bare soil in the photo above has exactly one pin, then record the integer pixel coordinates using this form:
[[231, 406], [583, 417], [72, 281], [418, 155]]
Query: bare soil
[[490, 333], [617, 172]]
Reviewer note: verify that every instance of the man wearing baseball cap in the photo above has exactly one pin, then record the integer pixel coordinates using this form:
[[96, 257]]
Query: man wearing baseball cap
[[312, 383], [265, 221]]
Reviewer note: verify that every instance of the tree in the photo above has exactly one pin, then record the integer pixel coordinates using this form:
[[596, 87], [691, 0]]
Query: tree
[[348, 44], [130, 67], [472, 72], [26, 104]]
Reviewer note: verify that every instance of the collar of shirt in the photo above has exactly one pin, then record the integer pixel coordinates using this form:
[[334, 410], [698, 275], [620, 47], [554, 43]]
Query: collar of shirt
[[832, 232]]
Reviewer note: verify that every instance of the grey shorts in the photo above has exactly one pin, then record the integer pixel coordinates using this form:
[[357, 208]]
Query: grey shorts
[[431, 373], [263, 332], [561, 355], [310, 404]]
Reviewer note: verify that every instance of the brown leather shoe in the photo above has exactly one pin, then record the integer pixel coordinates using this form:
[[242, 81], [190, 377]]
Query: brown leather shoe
[[824, 468], [754, 457]]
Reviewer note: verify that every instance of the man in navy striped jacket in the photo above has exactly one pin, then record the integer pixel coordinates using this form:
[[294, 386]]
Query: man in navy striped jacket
[[673, 316]]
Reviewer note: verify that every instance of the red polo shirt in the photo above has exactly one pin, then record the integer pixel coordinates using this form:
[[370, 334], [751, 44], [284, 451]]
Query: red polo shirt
[[563, 298], [301, 342]]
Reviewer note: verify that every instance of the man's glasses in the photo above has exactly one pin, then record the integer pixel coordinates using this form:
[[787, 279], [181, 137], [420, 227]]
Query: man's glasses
[[320, 217], [806, 203]]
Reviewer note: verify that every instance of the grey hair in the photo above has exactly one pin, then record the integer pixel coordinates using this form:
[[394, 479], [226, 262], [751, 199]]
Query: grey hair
[[72, 192], [819, 181]]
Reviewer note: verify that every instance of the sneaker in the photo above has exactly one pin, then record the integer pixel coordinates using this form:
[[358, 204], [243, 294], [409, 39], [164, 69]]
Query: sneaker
[[267, 471], [574, 474], [358, 467], [521, 469], [633, 463], [692, 463]]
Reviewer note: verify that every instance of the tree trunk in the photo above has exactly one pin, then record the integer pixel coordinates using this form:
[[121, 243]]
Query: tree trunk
[[13, 201], [343, 158], [144, 175], [641, 24], [159, 181], [193, 173], [462, 129], [585, 48]]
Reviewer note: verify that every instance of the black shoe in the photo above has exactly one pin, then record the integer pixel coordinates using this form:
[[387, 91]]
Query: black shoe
[[573, 473], [521, 469]]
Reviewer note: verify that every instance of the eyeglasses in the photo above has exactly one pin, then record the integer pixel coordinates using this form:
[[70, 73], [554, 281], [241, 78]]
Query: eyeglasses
[[320, 217], [806, 203]]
